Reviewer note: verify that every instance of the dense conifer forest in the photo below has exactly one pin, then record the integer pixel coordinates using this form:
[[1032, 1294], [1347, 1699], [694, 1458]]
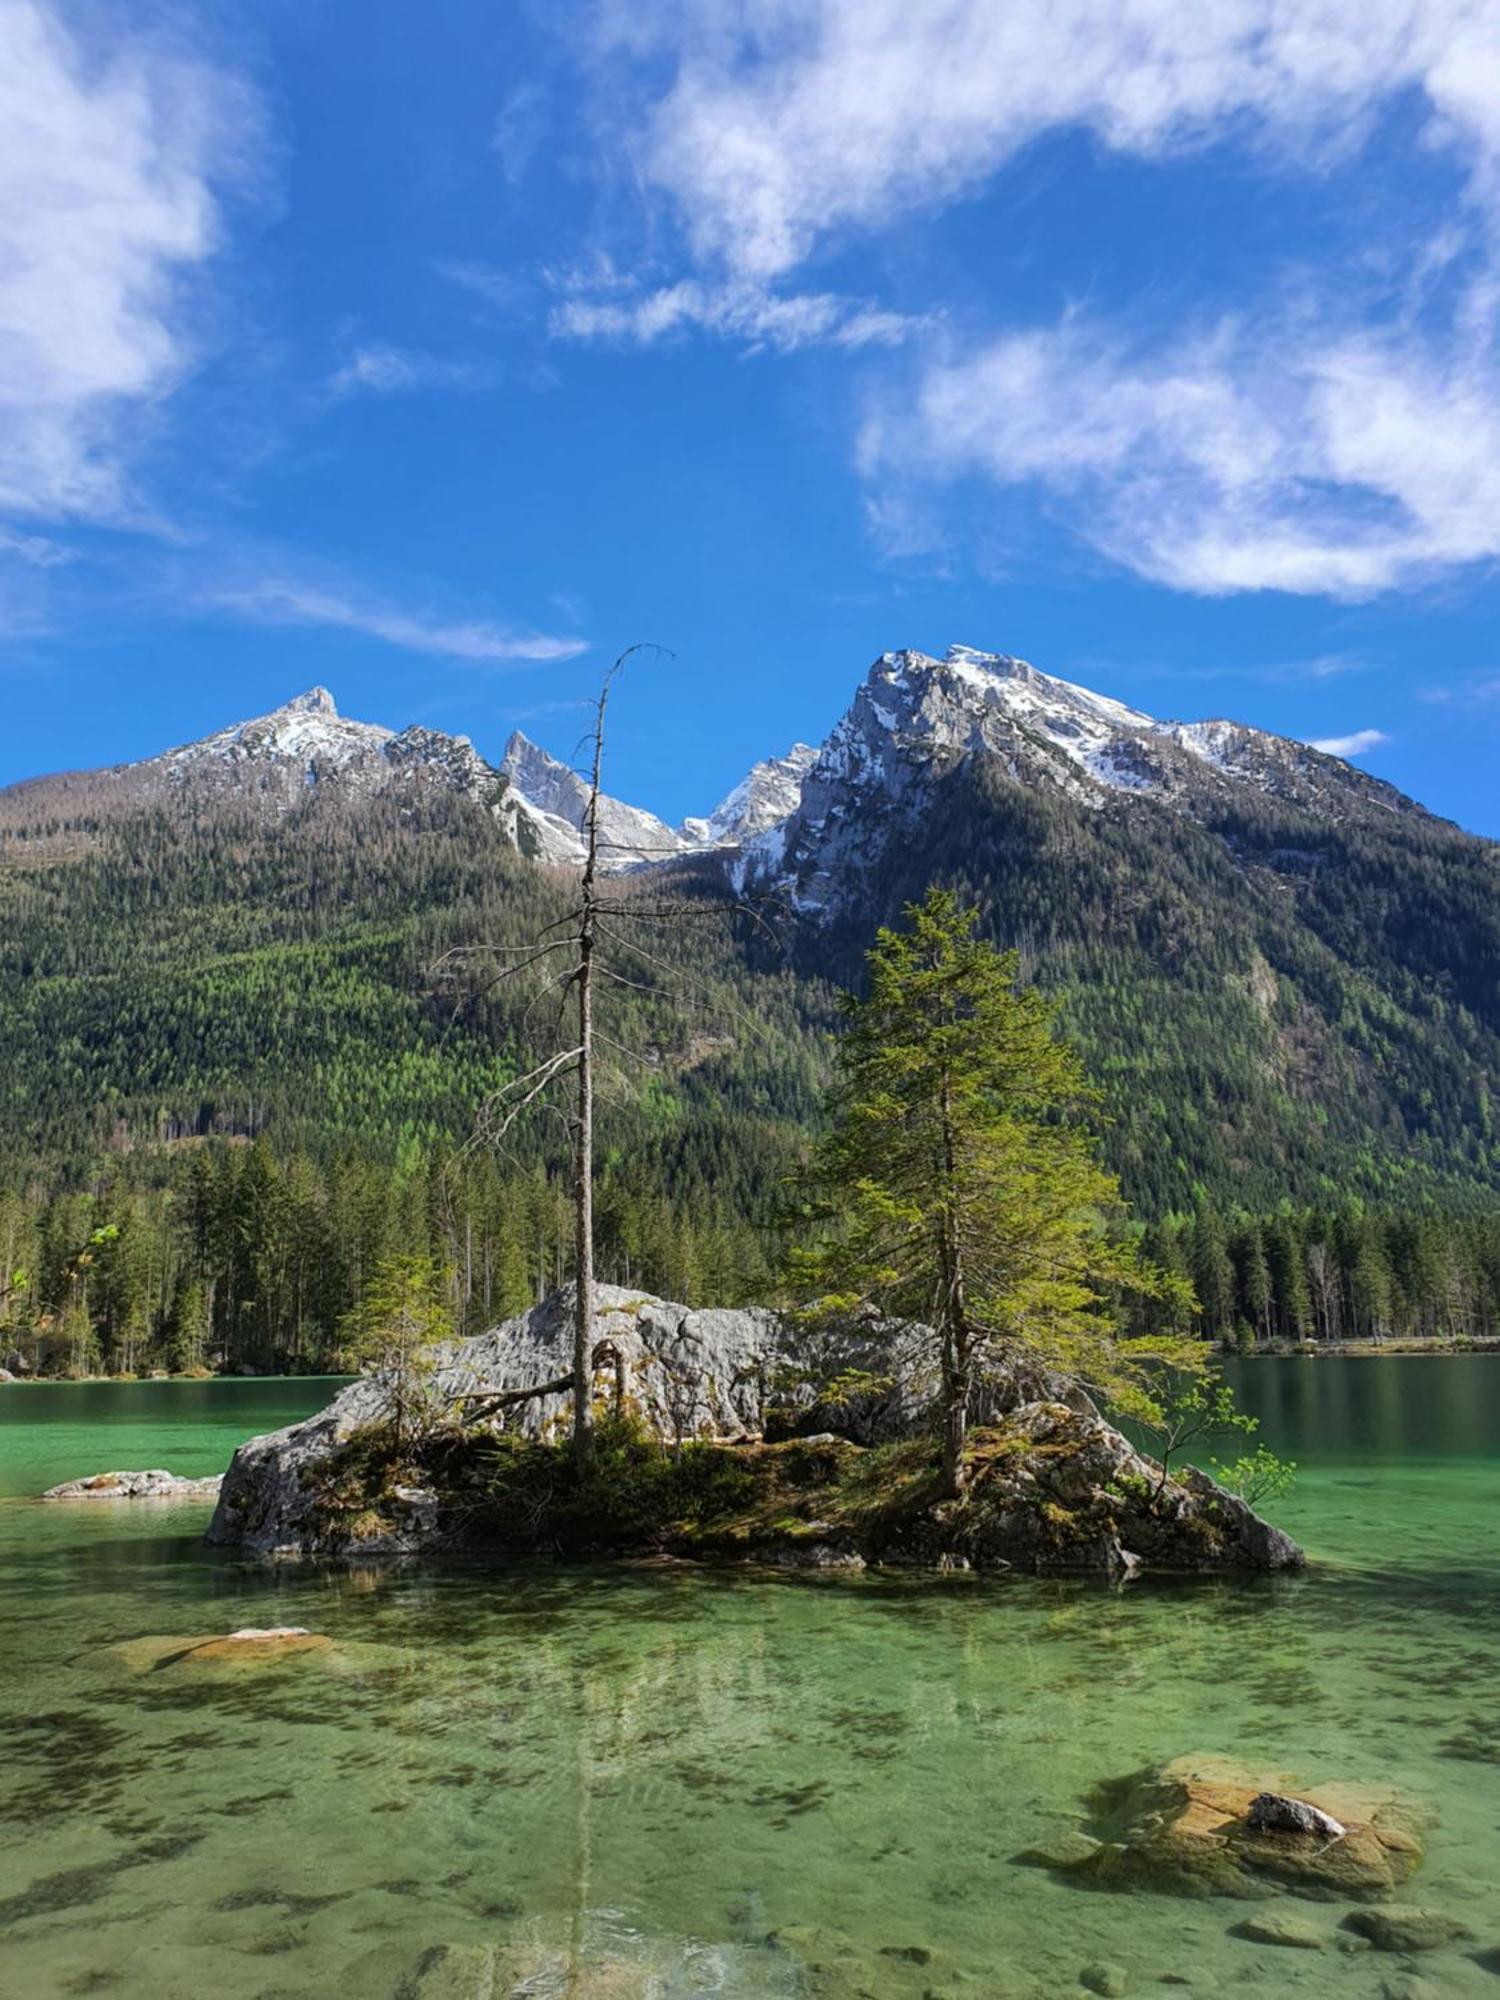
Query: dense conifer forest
[[240, 1066]]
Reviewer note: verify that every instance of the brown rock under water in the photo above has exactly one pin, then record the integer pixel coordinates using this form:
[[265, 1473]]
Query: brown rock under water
[[1185, 1829], [251, 1646]]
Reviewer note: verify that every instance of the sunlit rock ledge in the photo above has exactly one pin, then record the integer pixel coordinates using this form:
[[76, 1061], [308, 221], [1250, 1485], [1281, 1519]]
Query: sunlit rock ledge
[[1051, 1486]]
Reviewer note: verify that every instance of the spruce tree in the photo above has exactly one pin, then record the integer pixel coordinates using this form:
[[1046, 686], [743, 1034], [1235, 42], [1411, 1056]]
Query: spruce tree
[[964, 1192]]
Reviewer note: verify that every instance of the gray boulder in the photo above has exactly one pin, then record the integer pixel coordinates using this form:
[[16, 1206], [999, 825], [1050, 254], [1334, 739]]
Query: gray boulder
[[690, 1374], [152, 1485]]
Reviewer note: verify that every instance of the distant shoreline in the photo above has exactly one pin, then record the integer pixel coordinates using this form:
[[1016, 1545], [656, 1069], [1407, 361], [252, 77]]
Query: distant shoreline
[[154, 1381], [1284, 1350]]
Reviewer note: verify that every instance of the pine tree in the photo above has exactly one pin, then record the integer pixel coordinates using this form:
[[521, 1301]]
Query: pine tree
[[965, 1192], [395, 1332]]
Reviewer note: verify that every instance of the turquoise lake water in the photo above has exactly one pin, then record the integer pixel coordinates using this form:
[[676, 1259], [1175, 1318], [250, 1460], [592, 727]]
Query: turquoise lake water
[[670, 1781]]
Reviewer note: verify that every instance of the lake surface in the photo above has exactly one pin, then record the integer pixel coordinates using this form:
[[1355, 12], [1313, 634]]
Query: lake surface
[[675, 1782]]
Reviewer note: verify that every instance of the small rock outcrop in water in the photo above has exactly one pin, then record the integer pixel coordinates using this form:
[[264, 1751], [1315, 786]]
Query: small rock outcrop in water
[[1189, 1828], [153, 1485], [1052, 1486]]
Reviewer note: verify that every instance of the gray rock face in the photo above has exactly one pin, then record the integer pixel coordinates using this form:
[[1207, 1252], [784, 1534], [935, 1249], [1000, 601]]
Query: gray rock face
[[691, 1375], [726, 1375], [152, 1485]]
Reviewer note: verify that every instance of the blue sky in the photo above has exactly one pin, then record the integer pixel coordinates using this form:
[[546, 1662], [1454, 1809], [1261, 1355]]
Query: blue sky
[[435, 354]]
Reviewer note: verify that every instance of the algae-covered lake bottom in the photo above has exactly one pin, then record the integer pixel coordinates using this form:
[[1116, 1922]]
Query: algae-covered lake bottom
[[669, 1781]]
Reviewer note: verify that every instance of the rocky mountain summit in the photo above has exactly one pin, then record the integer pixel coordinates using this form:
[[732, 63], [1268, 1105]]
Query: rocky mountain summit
[[1052, 1485], [916, 720], [799, 824]]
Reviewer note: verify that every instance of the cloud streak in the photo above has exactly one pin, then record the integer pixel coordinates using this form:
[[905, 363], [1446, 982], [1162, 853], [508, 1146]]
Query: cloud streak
[[1356, 744], [382, 370], [761, 319], [279, 600]]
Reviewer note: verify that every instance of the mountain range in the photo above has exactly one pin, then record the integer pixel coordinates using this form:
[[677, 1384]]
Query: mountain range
[[1284, 973]]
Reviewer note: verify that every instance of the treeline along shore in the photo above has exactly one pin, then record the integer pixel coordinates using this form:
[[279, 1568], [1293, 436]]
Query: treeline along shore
[[226, 1257]]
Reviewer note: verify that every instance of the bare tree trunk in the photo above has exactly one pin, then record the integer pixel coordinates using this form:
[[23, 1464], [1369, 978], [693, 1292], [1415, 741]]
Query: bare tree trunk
[[583, 1165], [956, 1342]]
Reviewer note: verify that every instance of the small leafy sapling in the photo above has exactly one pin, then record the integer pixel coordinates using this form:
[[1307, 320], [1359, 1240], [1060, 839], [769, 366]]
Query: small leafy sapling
[[1193, 1414], [1257, 1476]]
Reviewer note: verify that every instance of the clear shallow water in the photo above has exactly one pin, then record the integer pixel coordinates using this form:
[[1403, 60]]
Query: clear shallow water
[[662, 1781]]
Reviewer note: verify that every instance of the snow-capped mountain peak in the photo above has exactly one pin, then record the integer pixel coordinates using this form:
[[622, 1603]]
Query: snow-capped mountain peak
[[916, 718], [307, 732], [768, 794], [628, 836], [317, 701]]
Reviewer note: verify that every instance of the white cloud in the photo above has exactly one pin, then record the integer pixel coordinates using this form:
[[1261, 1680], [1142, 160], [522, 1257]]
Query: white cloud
[[737, 311], [1292, 448], [1353, 745], [1254, 457], [109, 158], [382, 370], [786, 120], [277, 600]]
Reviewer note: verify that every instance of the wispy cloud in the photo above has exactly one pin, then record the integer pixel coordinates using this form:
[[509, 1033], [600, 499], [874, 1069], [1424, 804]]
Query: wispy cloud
[[112, 157], [382, 370], [281, 600], [508, 291], [762, 319], [1477, 691], [39, 551], [1356, 744]]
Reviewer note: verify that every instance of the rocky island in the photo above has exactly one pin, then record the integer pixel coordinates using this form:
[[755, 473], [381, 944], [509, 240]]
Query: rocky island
[[712, 1446]]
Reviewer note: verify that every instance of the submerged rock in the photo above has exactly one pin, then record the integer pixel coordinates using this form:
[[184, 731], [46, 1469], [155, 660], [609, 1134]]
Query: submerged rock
[[1052, 1486], [152, 1485], [250, 1646], [1407, 1929], [1111, 1982], [1280, 1927], [1185, 1829]]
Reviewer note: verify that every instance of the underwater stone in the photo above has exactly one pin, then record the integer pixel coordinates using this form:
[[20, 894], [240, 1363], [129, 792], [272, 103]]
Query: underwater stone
[[1111, 1982], [1406, 1930], [1068, 1849], [1281, 1928], [1183, 1829]]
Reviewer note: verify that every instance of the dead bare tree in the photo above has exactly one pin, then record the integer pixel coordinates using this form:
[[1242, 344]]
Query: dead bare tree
[[571, 954]]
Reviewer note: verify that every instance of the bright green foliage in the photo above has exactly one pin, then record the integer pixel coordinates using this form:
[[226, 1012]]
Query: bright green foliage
[[1190, 1411], [394, 1334], [963, 1189], [1257, 1476]]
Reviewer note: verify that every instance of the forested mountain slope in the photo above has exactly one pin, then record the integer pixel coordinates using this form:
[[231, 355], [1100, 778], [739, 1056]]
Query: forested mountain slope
[[1285, 976]]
